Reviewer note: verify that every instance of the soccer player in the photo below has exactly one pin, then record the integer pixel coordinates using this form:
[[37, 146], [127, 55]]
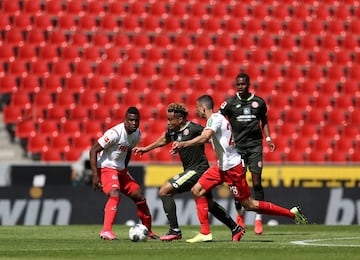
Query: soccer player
[[229, 168], [195, 164], [109, 159], [247, 114]]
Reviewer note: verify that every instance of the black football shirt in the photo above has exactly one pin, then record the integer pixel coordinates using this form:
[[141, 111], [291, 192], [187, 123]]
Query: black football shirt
[[193, 158], [245, 116]]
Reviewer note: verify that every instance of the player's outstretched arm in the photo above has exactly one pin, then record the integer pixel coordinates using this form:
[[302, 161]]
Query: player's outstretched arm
[[201, 139], [161, 141]]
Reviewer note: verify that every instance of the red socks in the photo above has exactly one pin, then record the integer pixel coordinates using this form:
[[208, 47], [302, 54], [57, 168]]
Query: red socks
[[144, 213], [203, 212], [110, 212], [275, 210]]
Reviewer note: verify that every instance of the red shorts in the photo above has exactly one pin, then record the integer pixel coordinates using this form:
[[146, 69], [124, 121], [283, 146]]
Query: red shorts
[[119, 180], [234, 177]]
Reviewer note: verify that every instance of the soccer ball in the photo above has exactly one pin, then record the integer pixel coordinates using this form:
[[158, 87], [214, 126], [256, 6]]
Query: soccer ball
[[138, 232]]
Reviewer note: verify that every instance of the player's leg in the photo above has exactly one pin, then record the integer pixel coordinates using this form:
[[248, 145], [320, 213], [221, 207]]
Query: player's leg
[[239, 208], [255, 164], [241, 192], [111, 188], [270, 208], [132, 189], [182, 182], [220, 213], [210, 179]]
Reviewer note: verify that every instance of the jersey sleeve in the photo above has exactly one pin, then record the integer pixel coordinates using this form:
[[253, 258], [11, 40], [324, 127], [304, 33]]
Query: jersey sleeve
[[263, 113], [109, 137], [214, 122]]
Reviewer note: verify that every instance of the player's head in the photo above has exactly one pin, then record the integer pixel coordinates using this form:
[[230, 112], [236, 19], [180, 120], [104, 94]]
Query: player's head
[[132, 119], [204, 103], [177, 115], [242, 82]]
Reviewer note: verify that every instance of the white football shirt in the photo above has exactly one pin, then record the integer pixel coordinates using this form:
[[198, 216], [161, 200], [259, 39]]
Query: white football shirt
[[116, 143], [223, 142]]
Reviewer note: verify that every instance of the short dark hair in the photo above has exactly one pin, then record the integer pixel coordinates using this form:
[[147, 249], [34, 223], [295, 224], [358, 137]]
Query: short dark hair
[[243, 75], [133, 110], [179, 109], [207, 100]]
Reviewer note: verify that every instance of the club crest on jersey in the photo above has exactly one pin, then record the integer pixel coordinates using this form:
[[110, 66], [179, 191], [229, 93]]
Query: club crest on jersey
[[255, 104], [186, 132]]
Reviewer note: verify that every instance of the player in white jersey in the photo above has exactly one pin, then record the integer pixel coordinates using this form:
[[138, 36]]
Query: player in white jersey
[[109, 158], [229, 169]]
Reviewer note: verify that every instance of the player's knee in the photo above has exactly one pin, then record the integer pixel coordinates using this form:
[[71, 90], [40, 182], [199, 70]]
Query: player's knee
[[165, 190], [114, 193], [137, 196], [197, 191], [258, 187]]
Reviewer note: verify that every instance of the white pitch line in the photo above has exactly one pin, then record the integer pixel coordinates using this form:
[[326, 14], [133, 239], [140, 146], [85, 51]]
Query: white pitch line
[[312, 242]]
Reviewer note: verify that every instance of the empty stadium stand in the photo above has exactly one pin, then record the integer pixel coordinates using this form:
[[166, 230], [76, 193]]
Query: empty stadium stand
[[71, 67]]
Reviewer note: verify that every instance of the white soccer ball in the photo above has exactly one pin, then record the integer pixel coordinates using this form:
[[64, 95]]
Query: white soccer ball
[[138, 232]]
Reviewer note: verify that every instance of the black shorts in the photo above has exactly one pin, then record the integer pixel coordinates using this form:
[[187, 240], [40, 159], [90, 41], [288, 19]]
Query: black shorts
[[184, 181], [253, 158]]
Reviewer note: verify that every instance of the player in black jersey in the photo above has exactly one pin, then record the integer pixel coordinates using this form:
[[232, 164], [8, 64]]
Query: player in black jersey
[[194, 163], [247, 114]]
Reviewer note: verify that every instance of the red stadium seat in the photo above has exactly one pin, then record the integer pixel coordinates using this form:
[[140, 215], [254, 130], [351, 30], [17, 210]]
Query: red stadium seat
[[109, 23], [315, 116], [52, 83], [158, 8], [83, 141], [56, 113], [70, 52], [100, 39], [60, 142], [130, 23], [48, 127], [75, 84], [213, 25], [43, 100], [79, 113], [195, 55], [84, 68], [67, 22], [96, 8], [87, 22], [57, 37], [281, 12], [106, 68], [20, 98], [151, 23], [62, 68], [93, 128], [8, 84], [316, 156], [49, 52], [51, 155], [70, 127], [295, 156], [66, 99], [37, 143], [254, 26], [25, 128], [12, 114]]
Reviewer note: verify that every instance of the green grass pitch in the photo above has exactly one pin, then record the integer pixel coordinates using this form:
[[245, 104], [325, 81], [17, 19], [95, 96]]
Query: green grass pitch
[[277, 242]]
